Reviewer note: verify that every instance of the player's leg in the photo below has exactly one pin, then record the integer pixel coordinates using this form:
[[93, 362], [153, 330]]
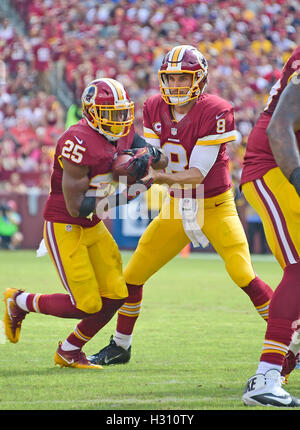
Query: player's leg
[[224, 230], [278, 205], [19, 303], [68, 248], [106, 261], [163, 239]]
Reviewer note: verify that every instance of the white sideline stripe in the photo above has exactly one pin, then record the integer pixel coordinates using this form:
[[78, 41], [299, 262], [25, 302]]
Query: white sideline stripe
[[2, 333], [123, 401], [274, 211]]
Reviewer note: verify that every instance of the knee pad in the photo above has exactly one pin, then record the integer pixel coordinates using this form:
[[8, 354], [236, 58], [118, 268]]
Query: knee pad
[[240, 269], [90, 304]]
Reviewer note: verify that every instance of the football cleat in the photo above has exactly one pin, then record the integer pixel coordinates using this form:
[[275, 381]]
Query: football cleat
[[111, 354], [290, 362], [266, 390], [13, 315], [75, 358]]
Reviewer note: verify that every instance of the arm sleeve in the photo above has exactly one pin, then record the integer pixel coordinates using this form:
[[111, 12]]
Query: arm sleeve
[[203, 157]]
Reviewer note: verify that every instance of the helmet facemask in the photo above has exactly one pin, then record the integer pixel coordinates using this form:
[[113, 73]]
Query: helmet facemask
[[113, 121], [180, 95]]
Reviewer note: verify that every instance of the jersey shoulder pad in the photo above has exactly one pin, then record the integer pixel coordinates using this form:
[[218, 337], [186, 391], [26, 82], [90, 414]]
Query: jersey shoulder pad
[[215, 105]]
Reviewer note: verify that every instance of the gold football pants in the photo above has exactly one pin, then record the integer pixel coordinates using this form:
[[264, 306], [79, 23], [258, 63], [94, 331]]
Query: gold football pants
[[278, 205], [88, 263], [164, 238]]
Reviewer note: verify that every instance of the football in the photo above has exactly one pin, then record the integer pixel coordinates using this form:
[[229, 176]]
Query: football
[[120, 171]]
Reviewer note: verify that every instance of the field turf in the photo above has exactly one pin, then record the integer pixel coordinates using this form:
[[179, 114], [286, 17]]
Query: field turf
[[196, 343]]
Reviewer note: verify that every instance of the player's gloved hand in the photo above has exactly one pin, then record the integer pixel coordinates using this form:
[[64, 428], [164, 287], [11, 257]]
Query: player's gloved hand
[[127, 195], [140, 161], [138, 188]]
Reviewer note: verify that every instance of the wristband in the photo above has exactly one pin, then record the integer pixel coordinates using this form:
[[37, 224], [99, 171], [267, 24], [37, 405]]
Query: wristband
[[295, 179]]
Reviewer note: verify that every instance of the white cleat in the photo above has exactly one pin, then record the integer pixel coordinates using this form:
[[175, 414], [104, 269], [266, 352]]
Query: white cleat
[[266, 390]]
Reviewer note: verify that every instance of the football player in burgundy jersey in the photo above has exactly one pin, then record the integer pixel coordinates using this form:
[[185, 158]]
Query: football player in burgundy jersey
[[83, 251], [271, 184], [193, 129]]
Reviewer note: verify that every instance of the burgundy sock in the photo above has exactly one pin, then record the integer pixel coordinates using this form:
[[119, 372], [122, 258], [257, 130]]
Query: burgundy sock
[[260, 294], [277, 339], [129, 312], [58, 305], [88, 327], [283, 316]]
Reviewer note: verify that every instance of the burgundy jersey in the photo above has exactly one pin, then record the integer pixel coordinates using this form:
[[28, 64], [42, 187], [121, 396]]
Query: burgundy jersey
[[82, 146], [209, 122], [259, 158]]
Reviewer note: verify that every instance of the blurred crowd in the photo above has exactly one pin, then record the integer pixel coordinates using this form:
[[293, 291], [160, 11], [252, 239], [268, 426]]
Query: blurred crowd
[[245, 43]]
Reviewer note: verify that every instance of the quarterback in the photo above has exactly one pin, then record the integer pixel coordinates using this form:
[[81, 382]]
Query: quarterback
[[83, 251], [192, 128], [270, 182]]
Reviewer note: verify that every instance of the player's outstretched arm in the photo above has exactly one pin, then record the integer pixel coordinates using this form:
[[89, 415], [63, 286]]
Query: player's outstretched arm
[[191, 176], [281, 130], [75, 183]]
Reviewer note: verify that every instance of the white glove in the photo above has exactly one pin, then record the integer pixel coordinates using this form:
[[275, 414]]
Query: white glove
[[188, 209]]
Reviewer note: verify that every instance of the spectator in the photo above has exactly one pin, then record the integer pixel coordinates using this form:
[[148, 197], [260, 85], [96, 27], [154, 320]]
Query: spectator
[[245, 43], [10, 220]]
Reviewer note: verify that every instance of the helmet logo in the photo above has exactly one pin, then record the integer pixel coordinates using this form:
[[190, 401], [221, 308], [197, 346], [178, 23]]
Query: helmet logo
[[157, 127], [90, 94]]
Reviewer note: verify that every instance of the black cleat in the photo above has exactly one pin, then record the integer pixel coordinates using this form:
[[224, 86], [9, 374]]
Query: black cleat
[[111, 354]]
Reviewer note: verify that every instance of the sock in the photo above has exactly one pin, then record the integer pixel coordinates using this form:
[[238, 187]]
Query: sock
[[263, 367], [130, 311], [88, 327], [260, 294], [67, 346], [58, 305], [123, 340], [21, 301], [277, 340], [283, 316]]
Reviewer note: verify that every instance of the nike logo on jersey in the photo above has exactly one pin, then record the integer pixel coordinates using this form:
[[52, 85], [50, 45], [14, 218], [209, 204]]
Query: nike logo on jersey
[[219, 116], [219, 204], [80, 141]]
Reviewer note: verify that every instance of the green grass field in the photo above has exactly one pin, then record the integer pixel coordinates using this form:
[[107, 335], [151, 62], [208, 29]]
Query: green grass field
[[195, 345]]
